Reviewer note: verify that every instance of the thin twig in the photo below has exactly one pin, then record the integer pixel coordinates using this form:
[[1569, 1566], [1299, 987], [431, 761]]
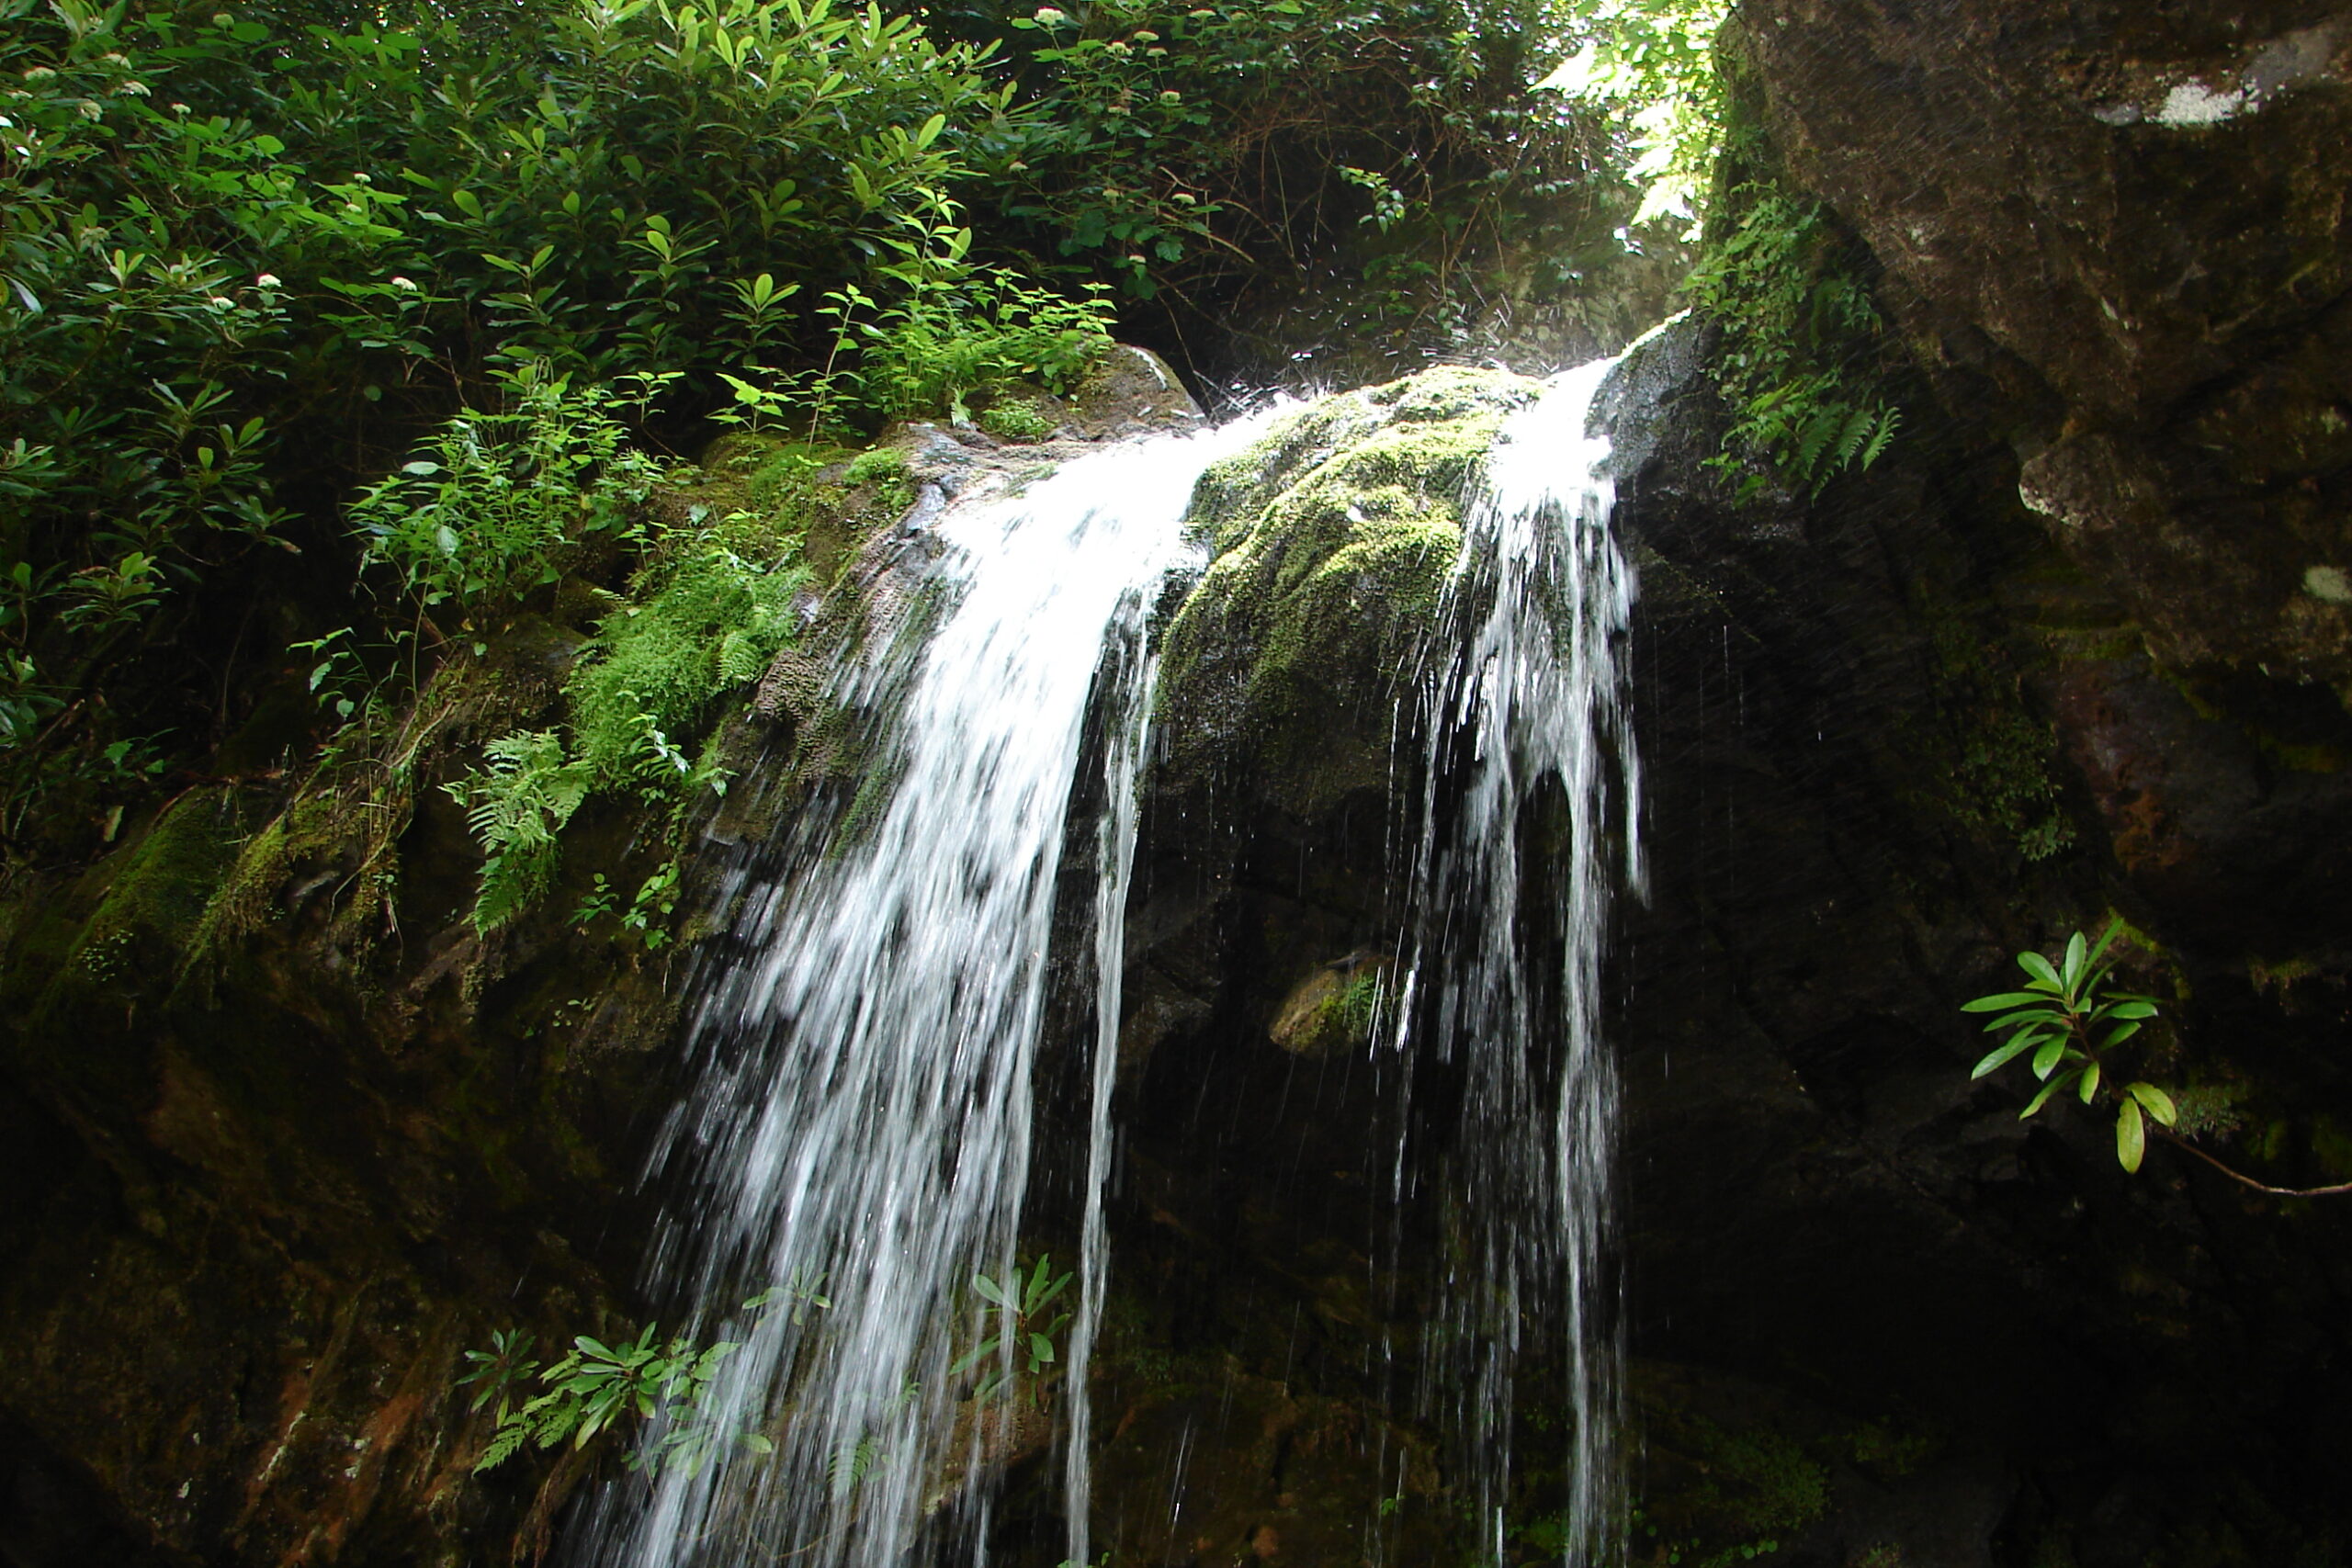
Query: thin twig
[[2242, 1179]]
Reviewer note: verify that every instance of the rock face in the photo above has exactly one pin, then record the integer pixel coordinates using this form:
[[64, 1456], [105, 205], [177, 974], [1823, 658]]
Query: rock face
[[2119, 231]]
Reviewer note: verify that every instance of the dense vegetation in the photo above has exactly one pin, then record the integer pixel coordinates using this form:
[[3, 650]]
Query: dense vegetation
[[256, 254], [512, 254]]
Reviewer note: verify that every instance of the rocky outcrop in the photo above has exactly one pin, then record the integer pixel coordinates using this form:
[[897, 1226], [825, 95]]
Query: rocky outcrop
[[2116, 233], [1889, 737]]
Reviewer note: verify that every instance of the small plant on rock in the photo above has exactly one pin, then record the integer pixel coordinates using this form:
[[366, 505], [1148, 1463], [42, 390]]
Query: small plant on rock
[[594, 1386], [2070, 1018], [1019, 1326]]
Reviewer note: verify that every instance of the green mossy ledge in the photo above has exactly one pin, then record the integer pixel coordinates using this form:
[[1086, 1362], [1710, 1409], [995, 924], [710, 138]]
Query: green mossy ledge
[[1331, 539]]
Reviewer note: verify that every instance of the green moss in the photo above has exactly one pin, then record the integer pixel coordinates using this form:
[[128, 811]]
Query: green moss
[[158, 899], [765, 498], [1989, 759], [1333, 538], [710, 619], [82, 980]]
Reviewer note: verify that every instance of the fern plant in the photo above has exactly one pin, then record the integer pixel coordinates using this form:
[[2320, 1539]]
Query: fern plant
[[1794, 316], [516, 806]]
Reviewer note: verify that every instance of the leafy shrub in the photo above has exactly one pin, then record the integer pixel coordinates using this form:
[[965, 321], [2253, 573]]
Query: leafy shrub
[[1209, 153], [1654, 62], [494, 504], [593, 1387], [248, 253], [1015, 421], [950, 339]]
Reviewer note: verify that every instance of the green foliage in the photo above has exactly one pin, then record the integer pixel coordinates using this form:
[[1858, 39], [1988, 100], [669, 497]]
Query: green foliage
[[946, 341], [248, 252], [1201, 150], [2070, 1018], [711, 621], [1798, 323], [593, 1387], [648, 915], [516, 806], [249, 256], [1018, 1334], [1654, 62], [652, 671], [1016, 419], [497, 1371], [495, 503]]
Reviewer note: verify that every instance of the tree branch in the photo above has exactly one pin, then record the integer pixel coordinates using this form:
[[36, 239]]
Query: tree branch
[[2179, 1142]]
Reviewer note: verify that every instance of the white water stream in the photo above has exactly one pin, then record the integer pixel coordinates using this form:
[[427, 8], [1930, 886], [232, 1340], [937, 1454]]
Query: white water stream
[[860, 1139], [1529, 821]]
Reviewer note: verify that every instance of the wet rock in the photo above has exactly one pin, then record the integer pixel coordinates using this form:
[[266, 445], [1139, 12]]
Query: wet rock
[[1131, 390]]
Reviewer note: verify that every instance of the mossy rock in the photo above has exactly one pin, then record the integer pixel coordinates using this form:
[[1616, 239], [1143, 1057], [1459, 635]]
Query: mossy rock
[[1332, 540]]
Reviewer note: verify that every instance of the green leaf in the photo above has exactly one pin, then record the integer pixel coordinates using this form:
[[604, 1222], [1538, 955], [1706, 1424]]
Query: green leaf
[[2039, 967], [2155, 1100], [2053, 1050], [2132, 1009], [2130, 1134], [973, 1356], [2004, 1056], [2036, 1015], [990, 1290], [1036, 1283], [2077, 951], [1997, 1000], [1041, 1348], [2038, 1101], [2120, 1033], [2090, 1082]]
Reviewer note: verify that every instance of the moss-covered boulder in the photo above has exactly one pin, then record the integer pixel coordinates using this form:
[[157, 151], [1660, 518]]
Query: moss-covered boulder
[[1331, 540]]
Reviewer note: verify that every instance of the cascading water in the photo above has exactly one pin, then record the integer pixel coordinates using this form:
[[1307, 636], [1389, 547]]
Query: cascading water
[[1529, 818], [859, 1144]]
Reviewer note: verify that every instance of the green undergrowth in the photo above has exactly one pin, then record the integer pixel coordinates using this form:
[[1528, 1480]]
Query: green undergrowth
[[706, 614], [1332, 539], [556, 693], [1800, 358]]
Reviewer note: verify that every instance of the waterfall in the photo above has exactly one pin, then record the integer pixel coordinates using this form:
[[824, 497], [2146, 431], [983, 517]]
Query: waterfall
[[1529, 819], [859, 1146]]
